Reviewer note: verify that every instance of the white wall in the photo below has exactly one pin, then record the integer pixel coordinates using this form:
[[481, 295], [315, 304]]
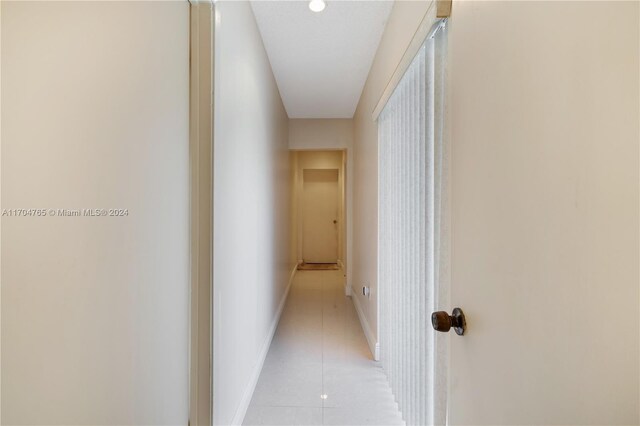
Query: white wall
[[251, 208], [545, 199], [404, 20], [316, 134], [95, 104]]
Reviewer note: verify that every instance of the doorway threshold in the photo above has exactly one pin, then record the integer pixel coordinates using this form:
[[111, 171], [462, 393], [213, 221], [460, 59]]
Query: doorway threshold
[[318, 267]]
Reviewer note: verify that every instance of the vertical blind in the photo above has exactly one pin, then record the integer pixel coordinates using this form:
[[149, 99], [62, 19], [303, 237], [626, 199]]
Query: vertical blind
[[412, 228]]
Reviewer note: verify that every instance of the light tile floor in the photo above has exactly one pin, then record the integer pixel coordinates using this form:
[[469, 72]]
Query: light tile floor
[[320, 349]]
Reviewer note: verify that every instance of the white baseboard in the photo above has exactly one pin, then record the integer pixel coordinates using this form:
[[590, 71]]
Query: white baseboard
[[371, 338], [347, 290], [255, 374]]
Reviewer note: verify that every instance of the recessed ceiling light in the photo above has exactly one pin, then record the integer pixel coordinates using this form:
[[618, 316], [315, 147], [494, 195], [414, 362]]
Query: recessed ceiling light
[[317, 5]]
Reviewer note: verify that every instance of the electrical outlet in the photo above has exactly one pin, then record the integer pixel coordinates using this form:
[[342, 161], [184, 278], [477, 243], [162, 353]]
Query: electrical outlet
[[366, 291]]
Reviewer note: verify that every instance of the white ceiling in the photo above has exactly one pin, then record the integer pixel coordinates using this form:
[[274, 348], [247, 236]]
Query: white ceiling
[[321, 60]]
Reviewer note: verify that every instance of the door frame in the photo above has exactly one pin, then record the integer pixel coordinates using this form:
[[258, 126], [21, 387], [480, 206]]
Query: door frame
[[346, 194], [201, 74], [345, 236]]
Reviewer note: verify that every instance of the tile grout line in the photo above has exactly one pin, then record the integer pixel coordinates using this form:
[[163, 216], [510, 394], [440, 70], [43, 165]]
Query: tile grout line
[[336, 321]]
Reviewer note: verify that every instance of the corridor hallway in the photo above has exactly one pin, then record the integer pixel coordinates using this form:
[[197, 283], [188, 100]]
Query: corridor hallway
[[320, 349]]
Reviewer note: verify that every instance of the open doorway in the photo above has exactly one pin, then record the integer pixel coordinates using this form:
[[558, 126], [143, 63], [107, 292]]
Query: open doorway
[[318, 202]]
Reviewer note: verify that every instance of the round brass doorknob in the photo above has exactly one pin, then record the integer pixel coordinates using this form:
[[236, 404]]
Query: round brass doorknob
[[442, 321]]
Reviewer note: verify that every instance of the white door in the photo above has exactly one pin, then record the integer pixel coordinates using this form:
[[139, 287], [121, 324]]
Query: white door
[[320, 201], [544, 121]]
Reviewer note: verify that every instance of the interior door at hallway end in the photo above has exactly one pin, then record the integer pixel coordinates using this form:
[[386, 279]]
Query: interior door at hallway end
[[320, 203]]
